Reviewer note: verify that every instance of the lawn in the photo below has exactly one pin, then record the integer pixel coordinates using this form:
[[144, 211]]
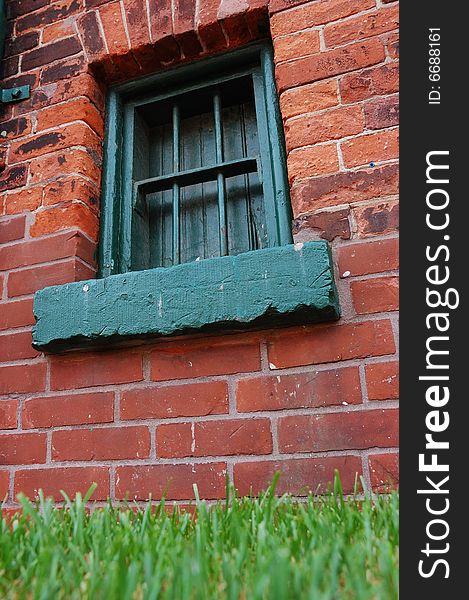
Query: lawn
[[270, 547]]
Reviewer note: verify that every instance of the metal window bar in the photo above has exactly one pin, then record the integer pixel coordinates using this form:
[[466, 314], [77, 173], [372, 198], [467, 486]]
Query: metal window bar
[[221, 192], [176, 187]]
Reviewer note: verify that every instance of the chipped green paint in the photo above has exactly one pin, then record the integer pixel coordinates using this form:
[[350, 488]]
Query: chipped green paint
[[286, 284]]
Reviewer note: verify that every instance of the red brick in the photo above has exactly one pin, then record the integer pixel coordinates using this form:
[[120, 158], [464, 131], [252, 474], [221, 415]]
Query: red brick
[[71, 188], [55, 247], [327, 64], [69, 216], [22, 43], [188, 361], [8, 410], [16, 346], [91, 35], [392, 44], [312, 161], [333, 124], [16, 8], [184, 27], [328, 224], [4, 486], [364, 26], [377, 81], [79, 109], [376, 219], [382, 113], [375, 295], [12, 178], [73, 409], [114, 30], [75, 134], [298, 476], [18, 379], [22, 448], [295, 45], [70, 479], [25, 200], [50, 53], [357, 430], [208, 27], [316, 13], [55, 11], [175, 482], [214, 438], [77, 162], [95, 368], [300, 390], [137, 22], [371, 257], [57, 31], [330, 343], [12, 228], [109, 443], [382, 380], [374, 147], [188, 400], [14, 128], [28, 281], [384, 472], [309, 98]]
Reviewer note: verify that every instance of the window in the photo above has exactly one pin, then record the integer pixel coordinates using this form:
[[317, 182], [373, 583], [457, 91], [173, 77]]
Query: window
[[194, 165]]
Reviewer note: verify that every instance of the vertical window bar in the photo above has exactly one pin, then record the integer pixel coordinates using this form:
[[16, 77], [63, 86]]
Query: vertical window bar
[[220, 176], [176, 189]]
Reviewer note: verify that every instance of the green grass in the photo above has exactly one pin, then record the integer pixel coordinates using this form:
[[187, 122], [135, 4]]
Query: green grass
[[255, 548]]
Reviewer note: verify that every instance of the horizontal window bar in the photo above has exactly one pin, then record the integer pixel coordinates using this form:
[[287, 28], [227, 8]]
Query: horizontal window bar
[[199, 175]]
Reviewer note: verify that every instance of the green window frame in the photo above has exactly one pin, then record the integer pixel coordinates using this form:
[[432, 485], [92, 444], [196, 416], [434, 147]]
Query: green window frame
[[124, 226]]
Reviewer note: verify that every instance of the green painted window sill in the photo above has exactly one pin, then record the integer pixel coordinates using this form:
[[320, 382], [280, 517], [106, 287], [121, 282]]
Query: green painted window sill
[[286, 284]]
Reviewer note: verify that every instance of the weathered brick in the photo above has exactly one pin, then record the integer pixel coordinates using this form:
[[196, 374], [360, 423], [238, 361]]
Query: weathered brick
[[90, 33], [80, 109], [19, 379], [57, 31], [182, 361], [18, 313], [330, 343], [214, 438], [175, 482], [95, 368], [327, 224], [12, 228], [71, 409], [327, 64], [365, 259], [375, 295], [23, 448], [77, 162], [70, 479], [382, 113], [50, 53], [382, 380], [298, 476], [28, 199], [70, 67], [371, 148], [72, 188], [16, 8], [22, 43], [72, 215], [54, 247], [357, 430], [16, 346], [8, 411], [138, 26], [299, 390], [312, 161], [295, 45], [188, 400], [309, 98], [28, 281], [363, 26], [384, 472], [332, 124], [108, 443], [376, 219], [52, 12], [113, 26], [13, 177], [184, 27], [377, 81], [316, 13]]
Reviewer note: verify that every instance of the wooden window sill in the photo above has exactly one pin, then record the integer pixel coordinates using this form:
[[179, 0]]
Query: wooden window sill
[[285, 284]]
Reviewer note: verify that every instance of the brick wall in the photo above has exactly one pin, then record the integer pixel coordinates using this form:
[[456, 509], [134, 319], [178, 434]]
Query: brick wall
[[306, 400]]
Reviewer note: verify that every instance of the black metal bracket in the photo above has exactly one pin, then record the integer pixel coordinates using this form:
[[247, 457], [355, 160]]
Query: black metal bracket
[[16, 94]]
